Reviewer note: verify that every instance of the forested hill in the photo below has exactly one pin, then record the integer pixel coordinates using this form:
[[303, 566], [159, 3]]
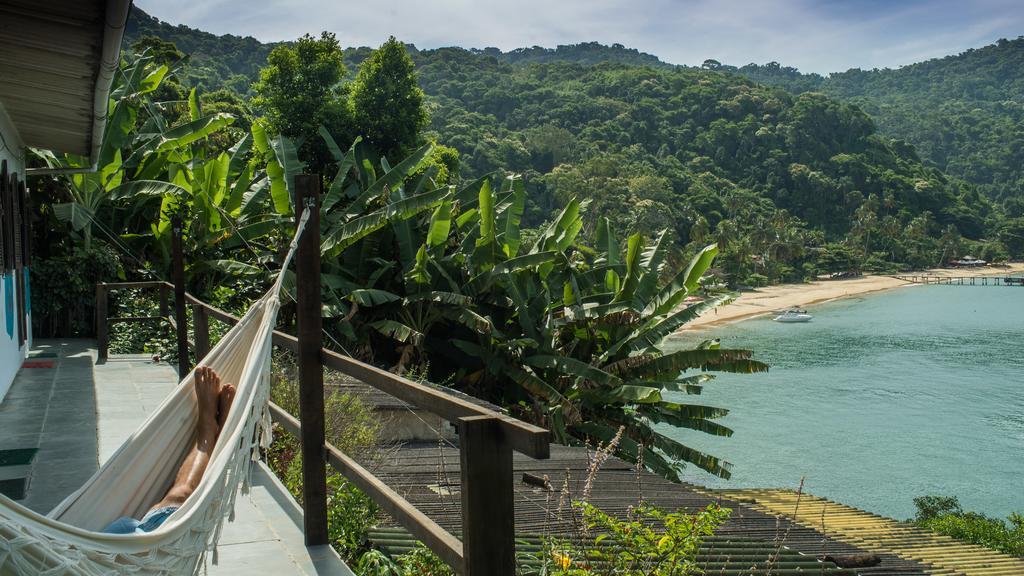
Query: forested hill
[[775, 178], [965, 113], [234, 61]]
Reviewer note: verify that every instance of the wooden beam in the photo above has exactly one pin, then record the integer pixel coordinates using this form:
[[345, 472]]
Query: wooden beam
[[133, 319], [528, 439], [137, 285], [200, 332], [524, 438], [311, 372], [488, 507], [164, 302], [439, 540], [102, 336], [178, 275]]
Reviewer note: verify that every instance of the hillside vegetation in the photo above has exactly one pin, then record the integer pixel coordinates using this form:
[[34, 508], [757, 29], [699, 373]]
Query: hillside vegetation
[[789, 185], [965, 113]]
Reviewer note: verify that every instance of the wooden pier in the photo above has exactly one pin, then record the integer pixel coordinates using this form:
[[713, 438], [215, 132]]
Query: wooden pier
[[963, 280]]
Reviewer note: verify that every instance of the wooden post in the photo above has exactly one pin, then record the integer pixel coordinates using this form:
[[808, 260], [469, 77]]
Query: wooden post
[[102, 337], [178, 277], [311, 371], [201, 331], [164, 306], [488, 510]]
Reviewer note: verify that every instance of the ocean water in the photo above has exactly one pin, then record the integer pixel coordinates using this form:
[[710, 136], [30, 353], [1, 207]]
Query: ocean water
[[879, 399]]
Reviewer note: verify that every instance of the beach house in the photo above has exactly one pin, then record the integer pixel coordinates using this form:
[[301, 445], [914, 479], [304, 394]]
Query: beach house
[[57, 59]]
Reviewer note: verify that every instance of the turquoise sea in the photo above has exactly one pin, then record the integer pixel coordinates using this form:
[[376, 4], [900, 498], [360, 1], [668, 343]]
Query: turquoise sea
[[879, 399]]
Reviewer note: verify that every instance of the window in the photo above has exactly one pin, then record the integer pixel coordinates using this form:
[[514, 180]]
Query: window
[[6, 236]]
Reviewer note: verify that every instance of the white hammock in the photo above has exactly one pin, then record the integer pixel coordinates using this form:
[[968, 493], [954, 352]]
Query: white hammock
[[67, 541]]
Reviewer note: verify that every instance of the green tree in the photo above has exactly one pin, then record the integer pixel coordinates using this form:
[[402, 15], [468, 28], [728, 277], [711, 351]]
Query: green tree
[[387, 102], [162, 51], [301, 90]]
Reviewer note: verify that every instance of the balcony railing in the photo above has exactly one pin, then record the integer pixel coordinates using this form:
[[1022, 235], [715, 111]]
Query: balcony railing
[[486, 438]]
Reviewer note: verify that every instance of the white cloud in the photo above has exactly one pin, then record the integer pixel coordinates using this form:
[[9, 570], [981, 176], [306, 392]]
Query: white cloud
[[820, 36]]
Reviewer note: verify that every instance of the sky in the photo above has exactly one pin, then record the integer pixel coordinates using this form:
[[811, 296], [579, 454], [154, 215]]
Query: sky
[[812, 35]]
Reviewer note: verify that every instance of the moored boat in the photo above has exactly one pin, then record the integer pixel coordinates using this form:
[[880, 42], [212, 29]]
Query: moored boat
[[794, 315]]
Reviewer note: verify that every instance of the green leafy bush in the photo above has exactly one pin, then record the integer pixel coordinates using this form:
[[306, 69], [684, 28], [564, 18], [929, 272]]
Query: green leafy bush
[[64, 288], [351, 426], [151, 337], [649, 542], [420, 561], [943, 514], [757, 280]]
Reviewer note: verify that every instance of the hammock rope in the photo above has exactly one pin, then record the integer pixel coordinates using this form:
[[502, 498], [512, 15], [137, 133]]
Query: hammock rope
[[67, 541]]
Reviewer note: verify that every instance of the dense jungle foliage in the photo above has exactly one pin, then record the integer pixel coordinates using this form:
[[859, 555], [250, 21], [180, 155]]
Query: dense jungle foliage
[[964, 113], [422, 272], [522, 228], [790, 186]]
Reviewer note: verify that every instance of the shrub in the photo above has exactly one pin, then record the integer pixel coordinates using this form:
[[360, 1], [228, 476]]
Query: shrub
[[649, 542], [757, 280], [351, 426], [151, 337], [943, 514], [64, 288]]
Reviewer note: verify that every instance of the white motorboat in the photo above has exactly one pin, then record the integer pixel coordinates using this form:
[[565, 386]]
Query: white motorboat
[[794, 315]]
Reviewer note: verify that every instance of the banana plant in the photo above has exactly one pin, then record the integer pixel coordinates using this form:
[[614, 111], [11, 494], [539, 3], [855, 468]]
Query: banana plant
[[88, 192], [582, 336], [230, 228], [137, 145], [565, 332]]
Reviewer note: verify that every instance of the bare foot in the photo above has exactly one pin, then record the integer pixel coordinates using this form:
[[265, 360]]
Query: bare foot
[[227, 395], [207, 385]]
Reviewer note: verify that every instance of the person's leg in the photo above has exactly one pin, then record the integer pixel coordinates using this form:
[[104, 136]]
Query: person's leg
[[208, 394]]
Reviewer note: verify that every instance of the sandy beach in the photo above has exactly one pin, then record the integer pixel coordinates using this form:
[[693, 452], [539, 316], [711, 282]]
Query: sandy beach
[[773, 298]]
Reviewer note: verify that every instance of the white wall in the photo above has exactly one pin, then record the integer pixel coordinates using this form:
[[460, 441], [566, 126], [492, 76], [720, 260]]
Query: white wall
[[12, 150]]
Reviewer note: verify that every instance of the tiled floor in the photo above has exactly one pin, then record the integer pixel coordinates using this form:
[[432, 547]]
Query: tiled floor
[[54, 410], [77, 414]]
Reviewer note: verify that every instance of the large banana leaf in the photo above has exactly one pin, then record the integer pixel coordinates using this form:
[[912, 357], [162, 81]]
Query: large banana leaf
[[279, 188], [510, 238], [684, 283], [73, 213], [572, 367], [391, 179], [440, 225], [344, 235], [625, 394], [288, 158], [346, 162], [655, 366], [658, 328], [398, 331], [373, 297], [147, 188], [634, 245], [486, 248], [191, 131]]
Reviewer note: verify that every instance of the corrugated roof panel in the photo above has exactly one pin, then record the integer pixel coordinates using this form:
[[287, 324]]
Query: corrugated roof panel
[[717, 555], [49, 61]]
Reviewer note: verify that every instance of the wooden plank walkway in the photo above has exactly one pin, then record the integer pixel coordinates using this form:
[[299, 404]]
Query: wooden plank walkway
[[961, 280], [428, 476], [879, 534]]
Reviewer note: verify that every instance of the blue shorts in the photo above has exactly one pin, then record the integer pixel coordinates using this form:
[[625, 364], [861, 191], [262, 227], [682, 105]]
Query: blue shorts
[[151, 521]]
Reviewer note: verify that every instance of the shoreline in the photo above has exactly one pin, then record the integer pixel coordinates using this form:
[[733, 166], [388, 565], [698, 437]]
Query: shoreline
[[768, 300]]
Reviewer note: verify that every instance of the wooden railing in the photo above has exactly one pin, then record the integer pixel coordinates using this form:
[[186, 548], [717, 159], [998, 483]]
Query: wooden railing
[[486, 441], [486, 438]]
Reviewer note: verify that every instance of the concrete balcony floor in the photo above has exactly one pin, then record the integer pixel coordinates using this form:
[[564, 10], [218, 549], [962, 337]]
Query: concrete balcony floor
[[76, 413]]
